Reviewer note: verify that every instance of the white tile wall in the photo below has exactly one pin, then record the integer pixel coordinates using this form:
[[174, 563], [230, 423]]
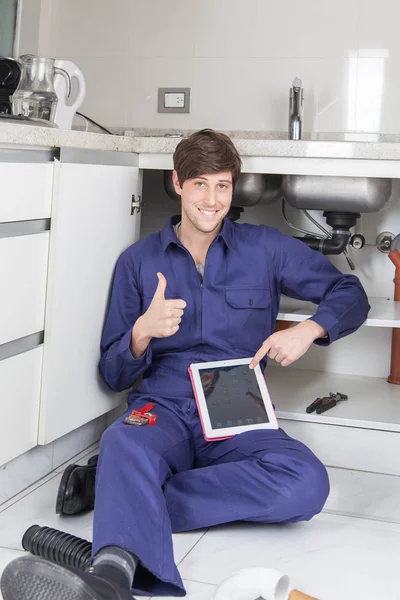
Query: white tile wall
[[276, 29], [238, 57]]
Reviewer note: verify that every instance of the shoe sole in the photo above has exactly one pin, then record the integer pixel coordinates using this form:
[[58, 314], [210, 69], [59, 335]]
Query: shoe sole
[[31, 578], [62, 488]]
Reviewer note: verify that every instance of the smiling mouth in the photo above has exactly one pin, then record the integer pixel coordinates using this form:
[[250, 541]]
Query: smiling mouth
[[208, 213]]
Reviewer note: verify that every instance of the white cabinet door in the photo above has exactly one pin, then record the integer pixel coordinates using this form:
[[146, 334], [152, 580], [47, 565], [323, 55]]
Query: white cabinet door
[[91, 225], [23, 273], [19, 403], [26, 190]]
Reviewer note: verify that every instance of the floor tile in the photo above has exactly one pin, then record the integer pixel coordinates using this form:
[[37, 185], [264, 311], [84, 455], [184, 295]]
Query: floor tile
[[364, 553], [184, 543], [195, 591], [38, 508], [6, 556]]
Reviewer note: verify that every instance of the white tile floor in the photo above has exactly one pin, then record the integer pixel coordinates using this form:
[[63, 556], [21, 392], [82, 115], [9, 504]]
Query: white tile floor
[[331, 557]]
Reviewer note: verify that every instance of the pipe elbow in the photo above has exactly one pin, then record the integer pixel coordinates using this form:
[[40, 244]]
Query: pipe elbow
[[334, 245], [394, 256]]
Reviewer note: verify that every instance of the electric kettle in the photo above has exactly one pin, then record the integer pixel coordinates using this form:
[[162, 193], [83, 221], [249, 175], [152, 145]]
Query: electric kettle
[[65, 110]]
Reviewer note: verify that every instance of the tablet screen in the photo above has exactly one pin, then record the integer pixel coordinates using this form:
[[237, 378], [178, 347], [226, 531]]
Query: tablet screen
[[233, 396]]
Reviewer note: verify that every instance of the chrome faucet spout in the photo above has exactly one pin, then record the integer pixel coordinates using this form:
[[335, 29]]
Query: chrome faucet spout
[[295, 109]]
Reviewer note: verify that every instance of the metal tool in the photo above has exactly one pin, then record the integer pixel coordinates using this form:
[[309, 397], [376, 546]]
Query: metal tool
[[142, 416], [330, 402], [321, 405]]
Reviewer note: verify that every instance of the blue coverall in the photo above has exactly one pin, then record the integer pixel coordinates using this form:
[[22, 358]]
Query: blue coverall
[[155, 480]]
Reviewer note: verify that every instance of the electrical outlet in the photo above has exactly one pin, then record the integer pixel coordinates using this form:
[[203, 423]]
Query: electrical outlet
[[173, 100]]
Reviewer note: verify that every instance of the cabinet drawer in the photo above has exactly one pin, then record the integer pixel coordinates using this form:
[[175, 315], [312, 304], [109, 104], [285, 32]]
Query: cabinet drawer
[[19, 403], [23, 273], [26, 190]]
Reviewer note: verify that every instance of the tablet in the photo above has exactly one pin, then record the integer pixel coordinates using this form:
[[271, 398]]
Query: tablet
[[231, 398]]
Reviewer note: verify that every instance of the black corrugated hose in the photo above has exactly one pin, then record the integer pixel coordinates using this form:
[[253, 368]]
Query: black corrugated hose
[[57, 546]]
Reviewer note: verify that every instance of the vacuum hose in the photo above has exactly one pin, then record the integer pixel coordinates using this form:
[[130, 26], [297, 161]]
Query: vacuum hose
[[57, 546]]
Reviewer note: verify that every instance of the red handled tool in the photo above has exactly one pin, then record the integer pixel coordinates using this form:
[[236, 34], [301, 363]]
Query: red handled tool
[[314, 405], [142, 416], [320, 405], [330, 402]]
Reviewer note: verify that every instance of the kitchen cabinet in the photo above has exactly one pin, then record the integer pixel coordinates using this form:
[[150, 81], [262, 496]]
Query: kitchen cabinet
[[92, 223], [25, 207]]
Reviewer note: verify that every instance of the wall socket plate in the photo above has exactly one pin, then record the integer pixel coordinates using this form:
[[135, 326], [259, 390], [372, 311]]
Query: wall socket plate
[[168, 96]]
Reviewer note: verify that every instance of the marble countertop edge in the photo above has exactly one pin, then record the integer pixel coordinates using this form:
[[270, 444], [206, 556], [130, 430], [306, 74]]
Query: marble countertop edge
[[157, 142]]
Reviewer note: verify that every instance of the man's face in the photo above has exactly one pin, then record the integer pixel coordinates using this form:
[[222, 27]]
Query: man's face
[[205, 199]]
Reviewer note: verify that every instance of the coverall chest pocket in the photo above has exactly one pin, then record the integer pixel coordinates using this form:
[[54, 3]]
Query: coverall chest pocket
[[247, 316]]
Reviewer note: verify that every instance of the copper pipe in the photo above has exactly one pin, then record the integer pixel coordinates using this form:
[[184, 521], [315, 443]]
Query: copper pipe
[[282, 325], [296, 595], [394, 376]]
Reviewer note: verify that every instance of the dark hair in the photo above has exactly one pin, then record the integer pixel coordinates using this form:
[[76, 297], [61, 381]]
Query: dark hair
[[206, 151]]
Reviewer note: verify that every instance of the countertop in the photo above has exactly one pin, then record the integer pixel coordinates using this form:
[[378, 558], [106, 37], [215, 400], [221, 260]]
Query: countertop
[[259, 154], [251, 145]]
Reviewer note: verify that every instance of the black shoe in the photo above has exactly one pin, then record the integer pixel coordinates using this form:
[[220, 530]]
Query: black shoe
[[33, 578], [77, 488]]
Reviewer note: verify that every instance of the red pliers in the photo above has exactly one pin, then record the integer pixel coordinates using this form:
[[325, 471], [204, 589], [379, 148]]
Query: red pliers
[[142, 416], [321, 405]]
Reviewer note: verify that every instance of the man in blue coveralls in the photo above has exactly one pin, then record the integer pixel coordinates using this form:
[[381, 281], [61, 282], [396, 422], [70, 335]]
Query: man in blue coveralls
[[202, 289]]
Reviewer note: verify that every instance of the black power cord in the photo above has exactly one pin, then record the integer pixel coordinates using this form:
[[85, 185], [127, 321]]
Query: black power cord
[[94, 123]]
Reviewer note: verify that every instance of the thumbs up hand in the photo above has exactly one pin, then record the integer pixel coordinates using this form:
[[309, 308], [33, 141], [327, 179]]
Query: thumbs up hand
[[163, 316], [160, 320]]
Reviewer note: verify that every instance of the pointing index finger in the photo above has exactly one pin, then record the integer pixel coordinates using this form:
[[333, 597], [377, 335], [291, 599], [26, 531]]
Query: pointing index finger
[[260, 353]]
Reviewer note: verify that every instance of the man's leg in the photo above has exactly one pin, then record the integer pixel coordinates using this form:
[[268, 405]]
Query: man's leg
[[262, 476], [132, 531], [130, 509]]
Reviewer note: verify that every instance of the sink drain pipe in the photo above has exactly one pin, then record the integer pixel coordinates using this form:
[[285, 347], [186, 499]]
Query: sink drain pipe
[[341, 224], [394, 256]]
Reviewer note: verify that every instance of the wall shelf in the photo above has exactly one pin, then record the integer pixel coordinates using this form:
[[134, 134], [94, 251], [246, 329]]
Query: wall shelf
[[383, 313], [373, 402]]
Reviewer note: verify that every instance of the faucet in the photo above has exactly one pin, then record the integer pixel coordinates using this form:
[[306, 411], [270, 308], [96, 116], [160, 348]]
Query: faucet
[[295, 109]]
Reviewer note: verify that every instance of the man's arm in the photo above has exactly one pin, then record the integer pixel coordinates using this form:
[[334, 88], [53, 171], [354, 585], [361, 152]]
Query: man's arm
[[305, 274], [125, 345], [124, 357]]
